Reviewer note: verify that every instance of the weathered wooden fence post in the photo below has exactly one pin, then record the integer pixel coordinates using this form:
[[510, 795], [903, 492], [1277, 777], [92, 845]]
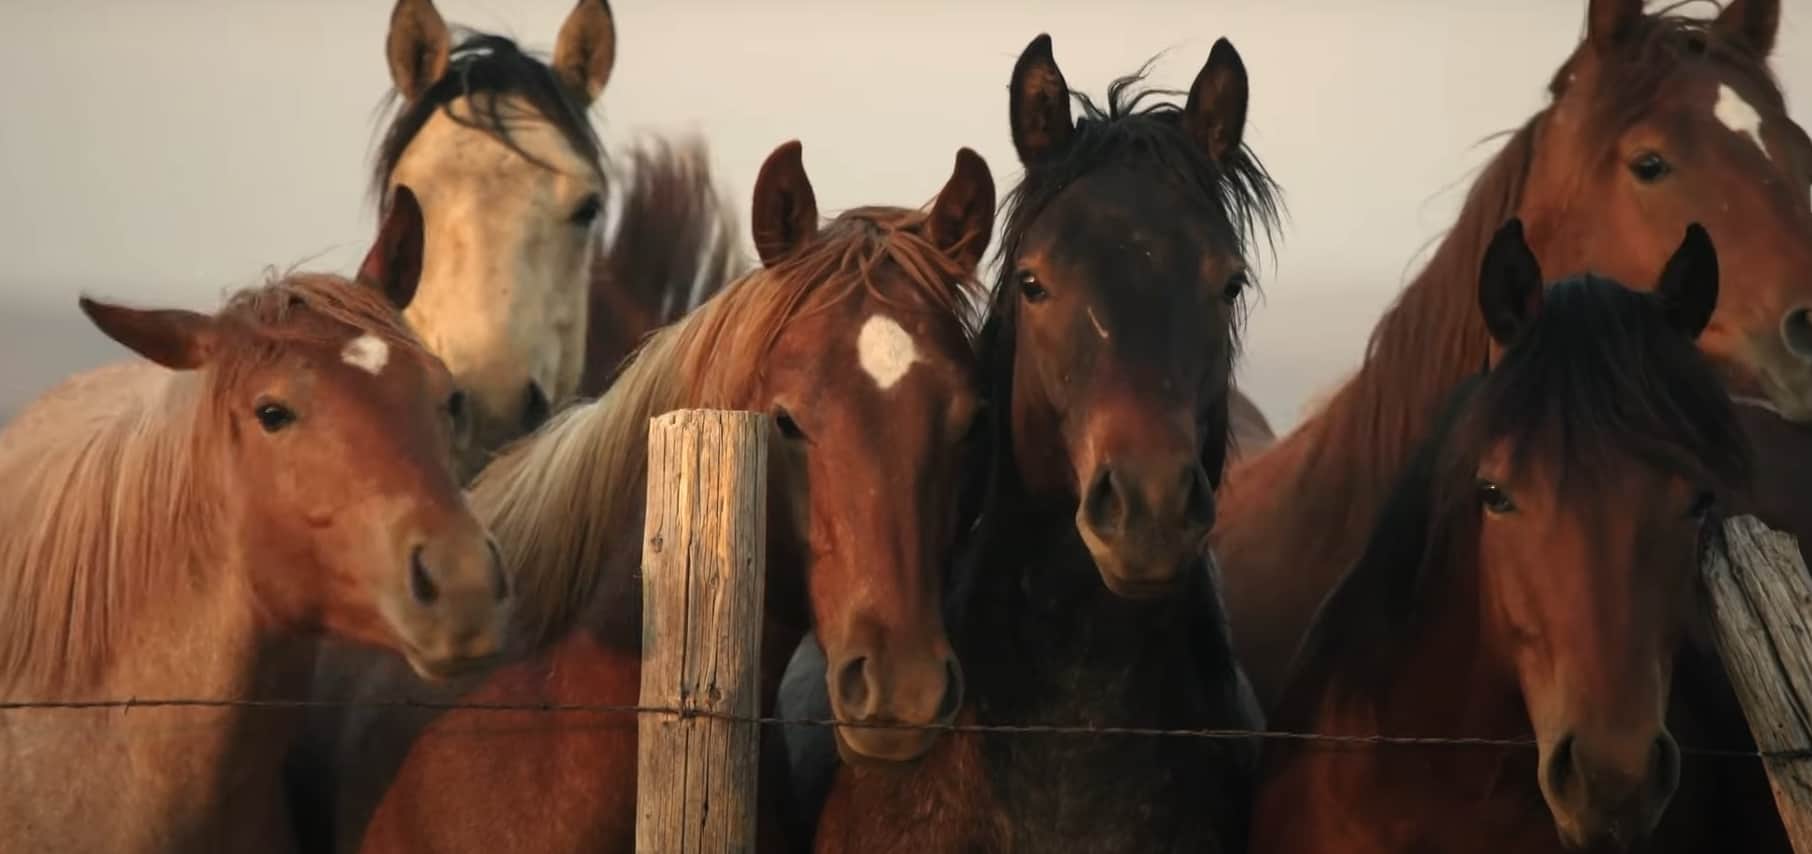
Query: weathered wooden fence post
[[703, 562], [1761, 598]]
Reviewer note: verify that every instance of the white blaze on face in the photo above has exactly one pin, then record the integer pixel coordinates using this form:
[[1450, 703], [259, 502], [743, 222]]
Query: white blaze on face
[[885, 350], [366, 352], [1736, 114]]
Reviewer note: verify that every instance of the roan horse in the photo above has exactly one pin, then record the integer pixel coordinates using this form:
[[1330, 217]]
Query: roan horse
[[499, 150], [1109, 348], [1531, 576], [180, 528], [857, 337]]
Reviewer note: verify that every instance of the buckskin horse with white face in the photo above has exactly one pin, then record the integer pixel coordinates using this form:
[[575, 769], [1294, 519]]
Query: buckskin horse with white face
[[857, 335], [183, 527], [1109, 351], [517, 294]]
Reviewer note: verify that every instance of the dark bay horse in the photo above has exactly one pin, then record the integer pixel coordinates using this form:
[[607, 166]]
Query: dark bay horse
[[1109, 351], [858, 336], [185, 526], [519, 294], [1656, 121], [1531, 576]]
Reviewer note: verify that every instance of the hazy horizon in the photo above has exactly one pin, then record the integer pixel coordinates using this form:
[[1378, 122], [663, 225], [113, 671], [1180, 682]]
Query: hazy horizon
[[166, 152]]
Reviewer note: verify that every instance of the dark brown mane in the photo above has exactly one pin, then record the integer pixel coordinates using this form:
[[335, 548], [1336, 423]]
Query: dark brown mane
[[488, 71], [1599, 376]]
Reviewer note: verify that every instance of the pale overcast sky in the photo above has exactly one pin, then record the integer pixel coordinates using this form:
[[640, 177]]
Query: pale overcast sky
[[167, 150]]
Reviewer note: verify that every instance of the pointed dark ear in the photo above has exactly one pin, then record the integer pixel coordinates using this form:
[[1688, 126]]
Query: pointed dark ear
[[962, 218], [1038, 103], [418, 46], [786, 209], [177, 339], [394, 264], [1510, 284], [1215, 114], [1609, 22], [1688, 288], [1752, 23], [586, 49]]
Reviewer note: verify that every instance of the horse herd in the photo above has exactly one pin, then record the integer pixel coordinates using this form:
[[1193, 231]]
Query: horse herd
[[1036, 503]]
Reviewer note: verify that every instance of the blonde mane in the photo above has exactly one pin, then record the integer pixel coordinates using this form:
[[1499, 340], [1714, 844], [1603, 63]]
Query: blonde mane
[[566, 500], [113, 495]]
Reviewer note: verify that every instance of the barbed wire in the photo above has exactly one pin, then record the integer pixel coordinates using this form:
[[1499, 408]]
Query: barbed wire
[[637, 710]]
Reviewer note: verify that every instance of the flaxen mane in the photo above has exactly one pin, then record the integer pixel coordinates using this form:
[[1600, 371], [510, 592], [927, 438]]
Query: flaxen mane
[[1599, 376], [489, 71], [560, 500], [115, 491]]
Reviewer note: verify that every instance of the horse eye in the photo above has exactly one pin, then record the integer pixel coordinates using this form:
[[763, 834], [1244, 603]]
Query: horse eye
[[788, 427], [1649, 167], [1031, 288], [1494, 499], [1236, 284], [1702, 504], [588, 210], [274, 416]]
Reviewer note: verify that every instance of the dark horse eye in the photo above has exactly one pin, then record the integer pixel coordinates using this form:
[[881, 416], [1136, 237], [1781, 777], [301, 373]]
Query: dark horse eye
[[456, 407], [1649, 167], [274, 416], [788, 427], [588, 210], [1030, 287], [1494, 498], [1236, 284], [1702, 504]]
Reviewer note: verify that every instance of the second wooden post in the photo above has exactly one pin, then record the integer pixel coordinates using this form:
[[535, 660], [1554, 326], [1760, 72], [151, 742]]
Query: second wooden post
[[703, 567]]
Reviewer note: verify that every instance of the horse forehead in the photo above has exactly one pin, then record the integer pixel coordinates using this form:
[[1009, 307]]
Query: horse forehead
[[1738, 115], [447, 145]]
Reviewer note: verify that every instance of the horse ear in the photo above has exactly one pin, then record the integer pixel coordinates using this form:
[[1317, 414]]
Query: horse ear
[[587, 48], [1688, 289], [786, 209], [177, 339], [1038, 104], [1754, 23], [1215, 114], [962, 218], [394, 264], [1608, 22], [1510, 284], [418, 46]]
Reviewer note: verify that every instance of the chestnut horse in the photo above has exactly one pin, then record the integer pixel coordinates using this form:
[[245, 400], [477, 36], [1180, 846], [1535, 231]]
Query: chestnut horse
[[1531, 576], [1656, 121], [515, 295], [179, 528], [857, 337], [1110, 348]]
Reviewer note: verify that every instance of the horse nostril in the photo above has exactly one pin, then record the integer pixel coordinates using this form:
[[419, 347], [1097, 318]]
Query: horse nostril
[[1666, 777], [420, 585], [1102, 506], [1796, 332], [1560, 769], [500, 578], [535, 406], [1198, 502], [850, 687], [953, 691]]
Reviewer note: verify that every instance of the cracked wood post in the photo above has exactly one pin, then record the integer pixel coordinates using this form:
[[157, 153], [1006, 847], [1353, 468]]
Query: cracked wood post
[[703, 562], [1760, 598]]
